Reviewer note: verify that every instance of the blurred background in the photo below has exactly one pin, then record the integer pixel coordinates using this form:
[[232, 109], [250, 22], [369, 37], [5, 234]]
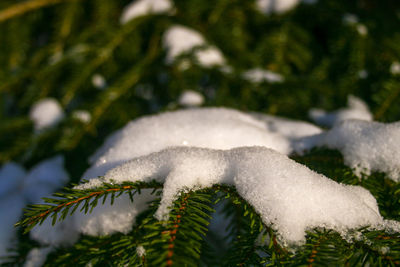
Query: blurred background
[[74, 71]]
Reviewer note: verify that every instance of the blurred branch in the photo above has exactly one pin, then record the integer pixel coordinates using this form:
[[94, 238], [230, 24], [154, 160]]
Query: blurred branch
[[21, 8]]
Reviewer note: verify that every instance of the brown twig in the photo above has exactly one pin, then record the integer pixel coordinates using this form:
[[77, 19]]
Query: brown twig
[[24, 7]]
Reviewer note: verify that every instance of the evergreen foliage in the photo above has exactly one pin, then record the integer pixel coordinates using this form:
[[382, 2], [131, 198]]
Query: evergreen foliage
[[52, 48]]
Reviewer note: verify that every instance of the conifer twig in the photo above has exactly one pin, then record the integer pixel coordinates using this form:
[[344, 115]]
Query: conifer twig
[[24, 7]]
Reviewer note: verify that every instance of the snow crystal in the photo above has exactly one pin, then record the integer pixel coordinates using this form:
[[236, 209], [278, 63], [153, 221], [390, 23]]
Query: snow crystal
[[366, 146], [288, 196], [145, 7], [357, 109], [82, 115], [190, 98], [178, 40], [46, 113], [395, 68], [37, 257], [275, 6], [98, 81], [258, 75]]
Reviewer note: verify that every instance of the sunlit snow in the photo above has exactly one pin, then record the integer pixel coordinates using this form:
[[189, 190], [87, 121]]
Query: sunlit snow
[[145, 7], [356, 109], [45, 113]]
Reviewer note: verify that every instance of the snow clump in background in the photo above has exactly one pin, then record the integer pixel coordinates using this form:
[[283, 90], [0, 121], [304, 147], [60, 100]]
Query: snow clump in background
[[356, 109], [46, 113], [179, 40], [190, 98], [145, 7], [18, 188]]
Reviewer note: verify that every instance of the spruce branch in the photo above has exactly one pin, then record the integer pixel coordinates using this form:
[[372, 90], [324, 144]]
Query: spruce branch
[[59, 206]]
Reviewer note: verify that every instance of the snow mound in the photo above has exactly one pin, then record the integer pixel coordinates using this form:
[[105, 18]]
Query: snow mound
[[190, 98], [356, 109], [258, 75], [366, 146], [218, 128], [145, 7], [179, 40], [46, 113], [288, 196]]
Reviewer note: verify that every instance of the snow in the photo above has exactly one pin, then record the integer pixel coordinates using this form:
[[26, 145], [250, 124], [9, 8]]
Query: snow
[[395, 68], [179, 40], [356, 109], [290, 129], [210, 57], [220, 128], [45, 178], [362, 74], [82, 115], [11, 176], [190, 98], [350, 19], [141, 251], [258, 75], [98, 81], [19, 188], [145, 7], [288, 196], [362, 29], [37, 257], [200, 147], [366, 146], [10, 211], [46, 113], [275, 6]]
